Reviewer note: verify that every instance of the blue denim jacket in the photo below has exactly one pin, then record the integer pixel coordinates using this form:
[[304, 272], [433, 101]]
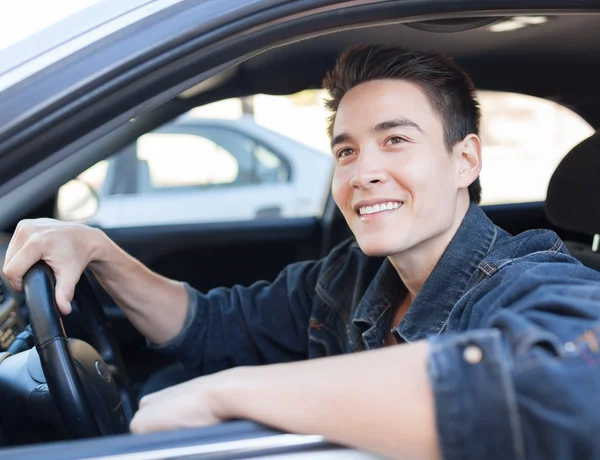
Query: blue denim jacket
[[513, 325]]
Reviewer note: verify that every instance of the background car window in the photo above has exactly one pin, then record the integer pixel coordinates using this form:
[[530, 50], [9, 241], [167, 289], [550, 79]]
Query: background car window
[[204, 158], [168, 160]]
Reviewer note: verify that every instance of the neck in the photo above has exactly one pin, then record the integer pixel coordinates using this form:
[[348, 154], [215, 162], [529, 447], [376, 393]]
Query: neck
[[415, 265]]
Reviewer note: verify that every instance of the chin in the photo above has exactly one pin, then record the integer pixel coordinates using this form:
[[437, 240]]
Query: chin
[[377, 248]]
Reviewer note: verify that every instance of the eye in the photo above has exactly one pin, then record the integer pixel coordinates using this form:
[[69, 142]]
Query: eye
[[395, 140], [344, 153]]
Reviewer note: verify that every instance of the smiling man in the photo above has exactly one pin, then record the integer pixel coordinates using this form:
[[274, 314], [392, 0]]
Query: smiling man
[[485, 356]]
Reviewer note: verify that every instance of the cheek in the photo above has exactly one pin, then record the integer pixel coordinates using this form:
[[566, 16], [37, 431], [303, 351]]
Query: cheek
[[413, 174], [339, 187], [430, 172]]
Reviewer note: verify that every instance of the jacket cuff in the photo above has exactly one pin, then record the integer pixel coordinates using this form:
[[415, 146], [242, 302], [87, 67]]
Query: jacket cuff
[[178, 344], [475, 401]]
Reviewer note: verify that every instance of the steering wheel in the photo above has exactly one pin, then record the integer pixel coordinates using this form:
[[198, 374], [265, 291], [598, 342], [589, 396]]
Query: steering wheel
[[82, 385]]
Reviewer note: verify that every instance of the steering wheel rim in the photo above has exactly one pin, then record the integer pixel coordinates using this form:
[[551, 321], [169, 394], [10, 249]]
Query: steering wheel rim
[[96, 324], [55, 354]]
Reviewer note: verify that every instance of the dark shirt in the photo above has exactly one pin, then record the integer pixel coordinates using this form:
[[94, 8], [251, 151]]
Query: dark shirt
[[513, 325]]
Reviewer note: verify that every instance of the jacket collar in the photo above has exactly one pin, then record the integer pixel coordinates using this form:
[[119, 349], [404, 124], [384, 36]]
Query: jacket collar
[[445, 285]]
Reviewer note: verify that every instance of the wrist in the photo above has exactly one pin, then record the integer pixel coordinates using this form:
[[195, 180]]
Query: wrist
[[232, 390], [99, 246]]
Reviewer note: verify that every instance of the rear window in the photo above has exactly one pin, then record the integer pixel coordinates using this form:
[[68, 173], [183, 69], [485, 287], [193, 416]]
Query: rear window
[[524, 139]]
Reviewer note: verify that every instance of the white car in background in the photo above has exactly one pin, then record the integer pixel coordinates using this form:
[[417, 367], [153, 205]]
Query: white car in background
[[198, 170]]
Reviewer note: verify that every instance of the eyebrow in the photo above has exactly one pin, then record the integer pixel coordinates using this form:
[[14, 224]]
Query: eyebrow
[[397, 123], [339, 139], [383, 126]]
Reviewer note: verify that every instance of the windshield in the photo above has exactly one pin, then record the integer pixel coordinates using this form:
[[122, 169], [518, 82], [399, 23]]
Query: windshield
[[19, 20]]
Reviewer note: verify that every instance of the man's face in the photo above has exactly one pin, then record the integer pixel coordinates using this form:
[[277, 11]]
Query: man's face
[[394, 181]]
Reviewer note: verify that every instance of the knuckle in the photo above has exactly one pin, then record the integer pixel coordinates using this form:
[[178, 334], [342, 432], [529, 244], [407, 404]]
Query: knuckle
[[36, 239], [9, 272], [22, 223], [26, 225], [21, 227]]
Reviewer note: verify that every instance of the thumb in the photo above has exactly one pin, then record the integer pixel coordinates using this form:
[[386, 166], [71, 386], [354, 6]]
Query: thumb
[[64, 291]]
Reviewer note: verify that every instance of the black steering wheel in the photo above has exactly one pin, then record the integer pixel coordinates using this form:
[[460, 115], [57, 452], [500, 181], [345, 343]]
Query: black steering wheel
[[90, 391]]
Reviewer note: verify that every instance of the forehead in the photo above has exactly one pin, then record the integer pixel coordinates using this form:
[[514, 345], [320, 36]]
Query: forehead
[[370, 103]]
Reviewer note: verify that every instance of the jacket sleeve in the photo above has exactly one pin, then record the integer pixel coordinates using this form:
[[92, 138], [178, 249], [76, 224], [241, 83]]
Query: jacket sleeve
[[263, 323], [523, 382]]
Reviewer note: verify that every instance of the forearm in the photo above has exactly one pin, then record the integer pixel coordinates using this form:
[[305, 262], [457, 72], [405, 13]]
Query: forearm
[[155, 305], [379, 400]]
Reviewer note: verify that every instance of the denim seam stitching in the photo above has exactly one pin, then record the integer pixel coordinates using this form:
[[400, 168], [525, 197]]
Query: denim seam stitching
[[560, 244], [511, 403], [324, 296], [330, 331]]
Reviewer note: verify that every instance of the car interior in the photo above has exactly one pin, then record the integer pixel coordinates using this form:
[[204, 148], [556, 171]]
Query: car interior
[[554, 60]]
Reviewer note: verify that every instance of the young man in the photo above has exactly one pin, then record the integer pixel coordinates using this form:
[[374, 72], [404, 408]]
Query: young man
[[492, 364]]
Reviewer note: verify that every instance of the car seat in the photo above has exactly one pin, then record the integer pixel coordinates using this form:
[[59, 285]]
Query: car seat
[[573, 198]]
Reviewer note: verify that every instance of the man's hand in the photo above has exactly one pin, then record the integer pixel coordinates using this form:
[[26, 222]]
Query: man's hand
[[66, 247], [194, 403]]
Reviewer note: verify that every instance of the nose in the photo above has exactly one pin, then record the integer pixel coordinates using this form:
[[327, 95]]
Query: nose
[[367, 171]]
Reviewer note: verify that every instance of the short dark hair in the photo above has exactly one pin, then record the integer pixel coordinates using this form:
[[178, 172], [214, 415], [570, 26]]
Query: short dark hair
[[447, 86]]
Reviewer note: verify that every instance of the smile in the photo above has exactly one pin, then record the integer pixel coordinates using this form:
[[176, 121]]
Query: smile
[[381, 207]]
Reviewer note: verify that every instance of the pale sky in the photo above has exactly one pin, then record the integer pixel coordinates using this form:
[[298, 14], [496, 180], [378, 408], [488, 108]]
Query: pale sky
[[21, 18]]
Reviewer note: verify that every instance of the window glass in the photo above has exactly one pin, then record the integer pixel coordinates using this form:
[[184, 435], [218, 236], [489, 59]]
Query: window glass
[[178, 160], [268, 167], [524, 138]]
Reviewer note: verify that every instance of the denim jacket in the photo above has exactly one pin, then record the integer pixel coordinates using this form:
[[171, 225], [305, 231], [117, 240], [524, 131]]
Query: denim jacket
[[513, 325]]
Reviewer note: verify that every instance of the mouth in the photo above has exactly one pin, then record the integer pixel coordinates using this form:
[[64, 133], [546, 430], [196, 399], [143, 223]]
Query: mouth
[[378, 208]]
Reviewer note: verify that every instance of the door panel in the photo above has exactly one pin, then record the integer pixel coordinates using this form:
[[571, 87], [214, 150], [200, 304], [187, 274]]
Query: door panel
[[222, 254]]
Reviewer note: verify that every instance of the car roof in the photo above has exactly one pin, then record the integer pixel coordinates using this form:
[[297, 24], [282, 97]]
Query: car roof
[[555, 59], [546, 59], [66, 37]]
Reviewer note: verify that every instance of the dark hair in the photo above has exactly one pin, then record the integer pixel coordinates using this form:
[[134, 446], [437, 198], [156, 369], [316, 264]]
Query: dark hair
[[447, 86]]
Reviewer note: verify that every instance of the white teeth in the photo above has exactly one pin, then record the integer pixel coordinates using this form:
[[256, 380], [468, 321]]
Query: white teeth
[[364, 210]]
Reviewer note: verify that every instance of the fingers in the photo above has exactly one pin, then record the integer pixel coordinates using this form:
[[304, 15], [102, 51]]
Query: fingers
[[28, 254], [39, 240], [153, 410], [150, 419], [20, 236], [173, 411]]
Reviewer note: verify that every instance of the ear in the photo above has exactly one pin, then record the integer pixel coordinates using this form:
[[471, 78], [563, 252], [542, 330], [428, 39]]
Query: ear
[[469, 160]]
